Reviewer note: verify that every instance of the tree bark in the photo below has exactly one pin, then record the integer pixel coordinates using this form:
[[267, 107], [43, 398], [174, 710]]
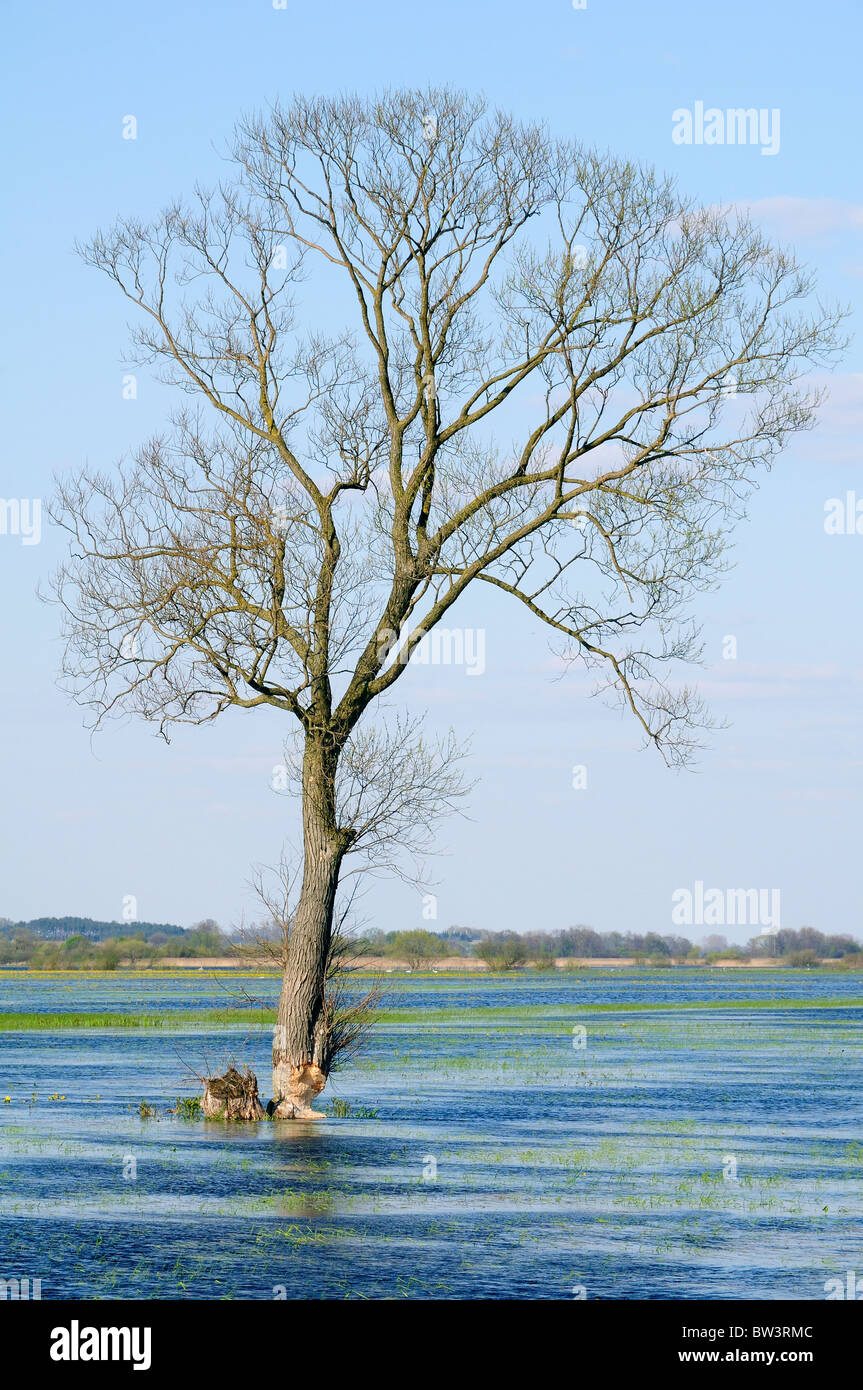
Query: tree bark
[[232, 1096], [301, 1054]]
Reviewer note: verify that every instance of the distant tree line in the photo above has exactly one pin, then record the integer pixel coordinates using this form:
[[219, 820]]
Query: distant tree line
[[60, 928], [146, 946], [53, 943], [787, 943], [507, 949], [584, 943]]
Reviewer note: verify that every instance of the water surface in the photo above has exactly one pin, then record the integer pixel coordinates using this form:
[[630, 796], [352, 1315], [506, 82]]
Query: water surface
[[714, 1151]]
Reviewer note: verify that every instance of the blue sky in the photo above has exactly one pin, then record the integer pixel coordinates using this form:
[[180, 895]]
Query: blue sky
[[776, 799]]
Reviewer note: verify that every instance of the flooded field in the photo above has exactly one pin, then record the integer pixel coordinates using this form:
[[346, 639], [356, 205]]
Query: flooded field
[[684, 1134]]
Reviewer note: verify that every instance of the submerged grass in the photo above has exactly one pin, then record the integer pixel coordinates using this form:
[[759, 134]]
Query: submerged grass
[[51, 1022], [465, 1017], [548, 1012]]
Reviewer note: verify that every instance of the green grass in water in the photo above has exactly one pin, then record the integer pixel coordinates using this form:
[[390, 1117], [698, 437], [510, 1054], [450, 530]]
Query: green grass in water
[[210, 1018]]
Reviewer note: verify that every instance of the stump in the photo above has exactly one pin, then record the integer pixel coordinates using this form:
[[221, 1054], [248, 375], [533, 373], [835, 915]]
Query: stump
[[232, 1096]]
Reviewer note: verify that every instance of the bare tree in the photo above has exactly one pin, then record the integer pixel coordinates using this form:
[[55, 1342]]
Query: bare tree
[[522, 364]]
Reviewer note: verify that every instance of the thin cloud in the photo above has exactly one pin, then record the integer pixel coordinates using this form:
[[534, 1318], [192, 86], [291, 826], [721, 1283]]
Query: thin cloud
[[805, 219]]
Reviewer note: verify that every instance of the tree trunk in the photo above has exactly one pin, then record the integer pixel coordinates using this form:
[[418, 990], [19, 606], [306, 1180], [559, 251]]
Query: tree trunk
[[301, 1056]]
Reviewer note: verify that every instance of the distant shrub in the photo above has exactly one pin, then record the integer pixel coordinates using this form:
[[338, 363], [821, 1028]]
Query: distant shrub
[[502, 953], [801, 960], [416, 947], [146, 1111], [76, 943], [853, 961]]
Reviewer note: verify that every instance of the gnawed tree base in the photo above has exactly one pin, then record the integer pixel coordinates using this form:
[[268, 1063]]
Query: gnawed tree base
[[295, 1088], [232, 1096]]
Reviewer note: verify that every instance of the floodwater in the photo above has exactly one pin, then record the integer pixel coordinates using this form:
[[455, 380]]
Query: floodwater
[[626, 1134]]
